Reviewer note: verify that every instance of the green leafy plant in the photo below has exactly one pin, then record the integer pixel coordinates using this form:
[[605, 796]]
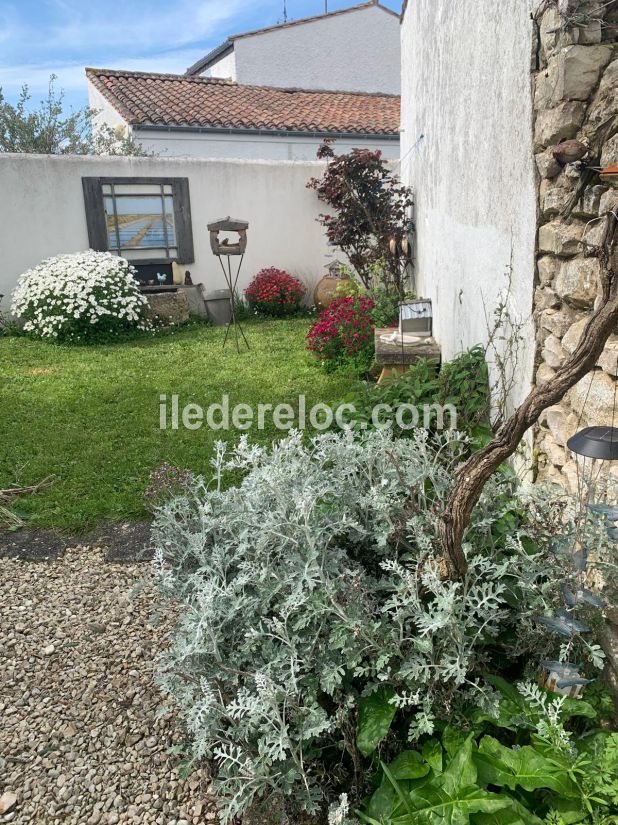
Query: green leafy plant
[[385, 311], [80, 298], [342, 336], [462, 383], [275, 293], [470, 776], [50, 130]]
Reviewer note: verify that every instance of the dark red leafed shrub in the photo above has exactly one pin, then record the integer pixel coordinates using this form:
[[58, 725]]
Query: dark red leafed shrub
[[344, 330], [275, 292]]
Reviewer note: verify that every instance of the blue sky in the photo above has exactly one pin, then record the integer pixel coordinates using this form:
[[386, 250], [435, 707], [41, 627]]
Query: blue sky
[[41, 37]]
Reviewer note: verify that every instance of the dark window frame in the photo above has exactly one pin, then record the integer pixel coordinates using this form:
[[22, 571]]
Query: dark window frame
[[97, 225]]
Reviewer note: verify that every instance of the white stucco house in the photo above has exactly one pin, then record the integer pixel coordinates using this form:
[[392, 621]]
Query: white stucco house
[[356, 49], [208, 117], [467, 153]]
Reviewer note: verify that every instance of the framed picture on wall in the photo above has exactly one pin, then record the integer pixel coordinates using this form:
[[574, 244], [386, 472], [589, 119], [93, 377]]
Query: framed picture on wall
[[145, 220]]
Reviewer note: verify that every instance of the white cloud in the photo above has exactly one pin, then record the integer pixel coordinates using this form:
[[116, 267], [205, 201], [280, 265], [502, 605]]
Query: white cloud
[[72, 77], [123, 34], [92, 27]]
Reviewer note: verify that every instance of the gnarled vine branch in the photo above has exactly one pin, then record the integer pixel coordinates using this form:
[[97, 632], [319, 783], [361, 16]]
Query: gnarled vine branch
[[481, 465]]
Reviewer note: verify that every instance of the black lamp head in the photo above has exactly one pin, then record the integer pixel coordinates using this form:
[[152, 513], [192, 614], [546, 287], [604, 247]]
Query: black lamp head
[[596, 442]]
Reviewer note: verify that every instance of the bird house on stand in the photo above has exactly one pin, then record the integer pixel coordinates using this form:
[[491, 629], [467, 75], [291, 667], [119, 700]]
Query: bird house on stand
[[223, 249]]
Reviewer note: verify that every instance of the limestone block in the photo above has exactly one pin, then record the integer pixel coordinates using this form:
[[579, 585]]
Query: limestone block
[[571, 338], [554, 196], [547, 164], [551, 474], [588, 205], [548, 267], [608, 360], [169, 307], [596, 391], [572, 74], [569, 473], [609, 156], [544, 373], [561, 423], [609, 202], [553, 34], [545, 298], [590, 33], [556, 453], [557, 321], [553, 354], [605, 101], [560, 238], [593, 235], [563, 121], [578, 281]]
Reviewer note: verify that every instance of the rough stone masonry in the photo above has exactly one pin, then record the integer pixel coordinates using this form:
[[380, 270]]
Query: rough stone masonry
[[575, 97]]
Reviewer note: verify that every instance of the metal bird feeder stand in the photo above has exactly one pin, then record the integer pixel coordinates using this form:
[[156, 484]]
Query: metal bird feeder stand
[[223, 249]]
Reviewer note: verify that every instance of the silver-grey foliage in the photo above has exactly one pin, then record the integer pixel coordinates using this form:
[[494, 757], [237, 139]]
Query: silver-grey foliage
[[318, 578]]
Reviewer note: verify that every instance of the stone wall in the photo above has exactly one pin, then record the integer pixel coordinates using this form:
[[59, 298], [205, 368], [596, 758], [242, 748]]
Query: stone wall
[[575, 97]]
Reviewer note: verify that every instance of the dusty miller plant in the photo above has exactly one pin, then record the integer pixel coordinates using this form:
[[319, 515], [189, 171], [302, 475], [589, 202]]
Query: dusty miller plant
[[316, 581]]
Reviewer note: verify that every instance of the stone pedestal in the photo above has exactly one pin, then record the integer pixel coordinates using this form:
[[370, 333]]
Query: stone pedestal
[[168, 308], [396, 356]]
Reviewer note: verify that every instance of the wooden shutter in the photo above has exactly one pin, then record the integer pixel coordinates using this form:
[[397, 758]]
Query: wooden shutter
[[95, 214], [182, 219]]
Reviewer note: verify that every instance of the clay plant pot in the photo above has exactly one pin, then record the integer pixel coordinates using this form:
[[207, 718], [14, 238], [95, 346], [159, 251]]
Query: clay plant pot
[[324, 293]]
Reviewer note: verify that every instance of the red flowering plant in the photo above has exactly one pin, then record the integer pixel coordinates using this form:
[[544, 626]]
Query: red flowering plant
[[274, 292], [343, 333]]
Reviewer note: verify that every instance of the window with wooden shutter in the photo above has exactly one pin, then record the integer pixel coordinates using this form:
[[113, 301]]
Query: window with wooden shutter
[[145, 220]]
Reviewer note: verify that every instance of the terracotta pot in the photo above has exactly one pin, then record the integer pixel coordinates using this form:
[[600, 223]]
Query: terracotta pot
[[324, 293]]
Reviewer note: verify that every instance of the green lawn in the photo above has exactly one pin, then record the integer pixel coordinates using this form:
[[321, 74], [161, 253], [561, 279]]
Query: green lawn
[[90, 416]]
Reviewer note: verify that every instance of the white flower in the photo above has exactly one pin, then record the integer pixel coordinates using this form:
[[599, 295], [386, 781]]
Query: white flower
[[55, 296]]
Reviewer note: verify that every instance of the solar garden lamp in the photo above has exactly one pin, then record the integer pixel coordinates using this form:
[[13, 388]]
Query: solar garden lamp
[[594, 447]]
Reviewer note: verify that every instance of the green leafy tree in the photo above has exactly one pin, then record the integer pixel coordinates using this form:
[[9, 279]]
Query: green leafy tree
[[49, 130]]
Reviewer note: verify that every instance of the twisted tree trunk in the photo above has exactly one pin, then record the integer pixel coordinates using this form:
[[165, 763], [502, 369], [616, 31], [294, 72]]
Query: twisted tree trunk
[[481, 465]]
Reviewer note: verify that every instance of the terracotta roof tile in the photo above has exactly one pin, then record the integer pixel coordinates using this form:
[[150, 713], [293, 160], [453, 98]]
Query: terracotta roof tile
[[149, 99]]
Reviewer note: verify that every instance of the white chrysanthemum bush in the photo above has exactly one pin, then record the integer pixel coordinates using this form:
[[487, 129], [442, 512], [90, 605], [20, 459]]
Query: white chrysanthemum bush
[[313, 604], [81, 297]]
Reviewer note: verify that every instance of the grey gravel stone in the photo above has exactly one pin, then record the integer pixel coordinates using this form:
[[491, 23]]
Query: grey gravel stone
[[80, 741]]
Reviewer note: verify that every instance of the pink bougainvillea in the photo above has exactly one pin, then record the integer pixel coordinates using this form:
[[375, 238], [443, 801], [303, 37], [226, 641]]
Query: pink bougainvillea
[[275, 292], [343, 330]]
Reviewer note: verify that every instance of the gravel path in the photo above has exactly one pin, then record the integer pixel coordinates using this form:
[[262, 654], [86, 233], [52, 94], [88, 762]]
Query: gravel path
[[79, 739]]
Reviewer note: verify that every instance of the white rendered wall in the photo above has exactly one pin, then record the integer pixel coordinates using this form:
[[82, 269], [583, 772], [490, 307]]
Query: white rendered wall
[[106, 114], [179, 143], [467, 153], [225, 67], [356, 51], [45, 214]]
